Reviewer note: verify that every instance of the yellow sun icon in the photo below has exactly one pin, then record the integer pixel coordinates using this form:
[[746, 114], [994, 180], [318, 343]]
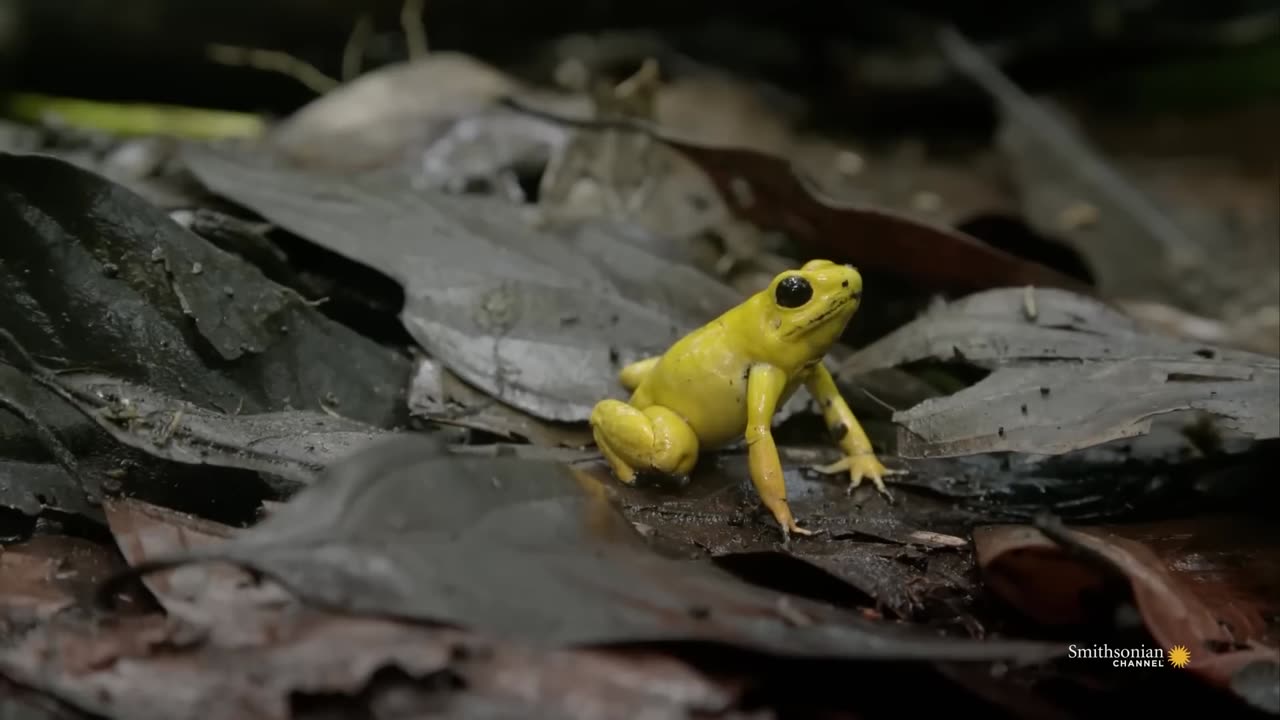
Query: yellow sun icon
[[1179, 656]]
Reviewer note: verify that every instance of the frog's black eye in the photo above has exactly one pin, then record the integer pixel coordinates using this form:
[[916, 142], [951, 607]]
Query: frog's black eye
[[793, 292]]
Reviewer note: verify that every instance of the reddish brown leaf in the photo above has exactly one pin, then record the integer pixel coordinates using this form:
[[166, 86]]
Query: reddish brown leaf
[[217, 597], [765, 190], [145, 669], [1207, 594], [48, 573]]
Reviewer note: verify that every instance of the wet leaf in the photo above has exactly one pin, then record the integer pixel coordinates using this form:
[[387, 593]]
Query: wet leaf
[[532, 552], [1052, 576], [112, 285], [540, 321], [38, 470], [73, 438], [1152, 475], [291, 445], [1041, 398]]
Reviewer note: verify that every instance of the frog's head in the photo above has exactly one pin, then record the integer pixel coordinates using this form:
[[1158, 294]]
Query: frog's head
[[814, 302]]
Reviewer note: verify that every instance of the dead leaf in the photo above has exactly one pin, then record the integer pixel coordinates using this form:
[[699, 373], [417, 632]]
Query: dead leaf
[[48, 573], [439, 395], [1142, 238], [908, 180], [23, 703], [217, 332], [532, 552], [291, 445], [223, 603], [521, 314], [1078, 374], [377, 668], [1049, 579], [374, 119], [1258, 331], [766, 190]]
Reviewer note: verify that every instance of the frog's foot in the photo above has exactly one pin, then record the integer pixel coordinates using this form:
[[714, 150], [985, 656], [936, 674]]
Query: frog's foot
[[789, 527], [860, 467], [651, 440]]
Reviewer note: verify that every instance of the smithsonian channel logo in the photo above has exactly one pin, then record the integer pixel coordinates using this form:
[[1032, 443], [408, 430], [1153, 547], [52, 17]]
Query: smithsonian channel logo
[[1132, 657]]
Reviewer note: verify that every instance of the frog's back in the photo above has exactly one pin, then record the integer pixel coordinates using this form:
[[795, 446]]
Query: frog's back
[[703, 378]]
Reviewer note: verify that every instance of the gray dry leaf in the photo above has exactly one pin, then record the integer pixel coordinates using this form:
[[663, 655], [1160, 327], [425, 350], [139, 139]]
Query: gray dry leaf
[[538, 320], [1072, 374], [293, 445], [437, 394], [533, 552]]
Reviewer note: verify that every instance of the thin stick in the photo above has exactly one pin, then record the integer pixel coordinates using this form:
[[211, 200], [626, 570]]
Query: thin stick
[[353, 52], [415, 32], [273, 61]]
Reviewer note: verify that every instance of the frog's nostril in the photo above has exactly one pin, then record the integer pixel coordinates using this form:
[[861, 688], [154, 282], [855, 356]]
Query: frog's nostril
[[844, 284]]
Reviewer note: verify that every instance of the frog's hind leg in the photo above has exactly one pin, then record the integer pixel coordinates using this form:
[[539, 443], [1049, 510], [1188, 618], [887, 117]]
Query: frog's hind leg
[[651, 440]]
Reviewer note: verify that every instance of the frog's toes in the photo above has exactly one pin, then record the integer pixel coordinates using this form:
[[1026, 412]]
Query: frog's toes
[[875, 480], [839, 466]]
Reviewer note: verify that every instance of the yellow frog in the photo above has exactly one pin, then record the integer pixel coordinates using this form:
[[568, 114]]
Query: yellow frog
[[725, 380]]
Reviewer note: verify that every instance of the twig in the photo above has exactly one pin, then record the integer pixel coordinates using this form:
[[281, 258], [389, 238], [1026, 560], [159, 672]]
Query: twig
[[415, 33], [878, 401], [1020, 107], [353, 51], [273, 61]]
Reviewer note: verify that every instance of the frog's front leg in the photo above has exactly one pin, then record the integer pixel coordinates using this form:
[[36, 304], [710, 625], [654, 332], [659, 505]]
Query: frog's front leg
[[635, 373], [859, 459], [654, 439], [765, 384]]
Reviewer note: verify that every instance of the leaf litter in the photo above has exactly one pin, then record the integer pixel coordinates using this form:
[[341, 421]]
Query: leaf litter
[[1210, 597], [286, 612], [486, 293], [115, 285], [1074, 374], [525, 550], [377, 573]]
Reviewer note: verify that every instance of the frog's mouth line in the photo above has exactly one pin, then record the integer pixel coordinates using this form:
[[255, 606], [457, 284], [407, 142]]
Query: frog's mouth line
[[831, 310]]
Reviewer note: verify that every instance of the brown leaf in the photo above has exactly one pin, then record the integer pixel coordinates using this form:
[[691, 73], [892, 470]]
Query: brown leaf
[[217, 598], [1216, 618], [765, 190], [148, 670], [48, 573]]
